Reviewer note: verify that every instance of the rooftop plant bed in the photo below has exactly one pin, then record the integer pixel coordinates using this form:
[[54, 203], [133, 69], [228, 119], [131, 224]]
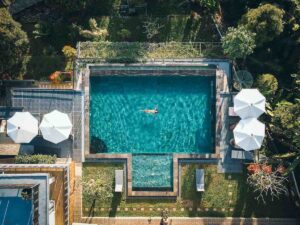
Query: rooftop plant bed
[[224, 195], [140, 51]]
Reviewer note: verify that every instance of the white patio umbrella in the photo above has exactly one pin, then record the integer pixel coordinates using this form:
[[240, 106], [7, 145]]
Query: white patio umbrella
[[56, 126], [22, 127], [249, 134], [249, 103]]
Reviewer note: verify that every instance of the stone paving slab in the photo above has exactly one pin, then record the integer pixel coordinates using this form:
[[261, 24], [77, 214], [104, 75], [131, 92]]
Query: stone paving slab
[[190, 221]]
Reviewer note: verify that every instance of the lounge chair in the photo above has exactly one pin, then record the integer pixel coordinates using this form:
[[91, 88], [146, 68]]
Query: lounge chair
[[118, 180], [241, 154], [231, 111], [200, 179]]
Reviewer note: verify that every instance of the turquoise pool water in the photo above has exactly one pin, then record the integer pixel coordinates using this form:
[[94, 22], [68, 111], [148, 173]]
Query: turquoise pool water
[[15, 211], [151, 171], [183, 123]]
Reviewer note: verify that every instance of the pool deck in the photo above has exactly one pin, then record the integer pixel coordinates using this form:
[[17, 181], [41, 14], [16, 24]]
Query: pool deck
[[222, 74]]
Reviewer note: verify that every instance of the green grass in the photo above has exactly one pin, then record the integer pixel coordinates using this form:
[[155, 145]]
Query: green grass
[[214, 199]]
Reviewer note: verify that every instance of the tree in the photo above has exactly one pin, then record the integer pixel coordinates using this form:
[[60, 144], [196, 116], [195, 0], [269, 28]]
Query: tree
[[95, 33], [152, 28], [266, 22], [14, 47], [41, 29], [286, 118], [70, 55], [238, 42], [267, 84], [209, 4], [97, 186], [265, 181]]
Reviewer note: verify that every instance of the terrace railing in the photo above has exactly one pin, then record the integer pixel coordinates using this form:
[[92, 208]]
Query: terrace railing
[[141, 51]]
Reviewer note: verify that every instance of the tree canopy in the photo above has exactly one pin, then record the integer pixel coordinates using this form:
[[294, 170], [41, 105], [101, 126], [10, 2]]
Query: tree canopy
[[266, 21], [238, 42], [287, 119], [267, 84], [14, 47]]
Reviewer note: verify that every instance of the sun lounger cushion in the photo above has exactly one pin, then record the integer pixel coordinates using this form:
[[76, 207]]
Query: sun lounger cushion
[[200, 179], [118, 180]]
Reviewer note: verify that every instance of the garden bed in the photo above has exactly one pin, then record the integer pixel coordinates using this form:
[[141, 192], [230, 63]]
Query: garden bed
[[225, 195]]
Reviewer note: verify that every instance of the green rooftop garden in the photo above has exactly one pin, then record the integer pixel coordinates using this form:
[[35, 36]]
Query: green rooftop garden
[[142, 51], [225, 195]]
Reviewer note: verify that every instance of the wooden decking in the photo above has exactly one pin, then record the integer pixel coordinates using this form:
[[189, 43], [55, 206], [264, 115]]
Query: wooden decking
[[9, 149]]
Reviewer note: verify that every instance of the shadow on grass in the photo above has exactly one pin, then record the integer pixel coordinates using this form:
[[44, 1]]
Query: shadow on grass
[[91, 212], [190, 196], [115, 202]]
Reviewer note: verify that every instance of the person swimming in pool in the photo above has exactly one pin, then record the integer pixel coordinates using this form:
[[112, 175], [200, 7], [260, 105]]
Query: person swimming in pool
[[150, 111]]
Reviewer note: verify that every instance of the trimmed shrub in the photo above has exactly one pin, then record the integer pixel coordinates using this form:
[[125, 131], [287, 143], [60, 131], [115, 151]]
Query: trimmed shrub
[[35, 159]]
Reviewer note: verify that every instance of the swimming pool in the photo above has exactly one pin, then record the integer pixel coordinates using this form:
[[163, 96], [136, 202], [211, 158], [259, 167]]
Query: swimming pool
[[152, 171], [183, 123], [15, 211]]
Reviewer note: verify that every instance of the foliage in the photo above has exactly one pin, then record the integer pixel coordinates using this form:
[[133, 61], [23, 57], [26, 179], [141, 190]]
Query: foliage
[[5, 3], [35, 159], [209, 4], [55, 77], [41, 29], [137, 51], [98, 184], [70, 5], [293, 165], [266, 182], [95, 33], [14, 47], [267, 84], [287, 119], [49, 62], [295, 87], [266, 22], [70, 55], [292, 159], [152, 28], [58, 77], [124, 34], [238, 42]]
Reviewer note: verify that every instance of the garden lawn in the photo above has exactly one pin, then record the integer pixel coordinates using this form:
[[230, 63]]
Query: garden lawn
[[224, 195]]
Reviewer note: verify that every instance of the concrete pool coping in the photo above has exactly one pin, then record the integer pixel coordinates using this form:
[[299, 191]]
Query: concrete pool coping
[[222, 74]]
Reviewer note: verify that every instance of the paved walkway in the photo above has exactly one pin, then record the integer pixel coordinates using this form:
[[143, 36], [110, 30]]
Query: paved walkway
[[190, 221], [226, 163]]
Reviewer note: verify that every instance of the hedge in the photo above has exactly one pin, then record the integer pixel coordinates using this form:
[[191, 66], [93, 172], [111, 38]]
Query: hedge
[[35, 159]]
